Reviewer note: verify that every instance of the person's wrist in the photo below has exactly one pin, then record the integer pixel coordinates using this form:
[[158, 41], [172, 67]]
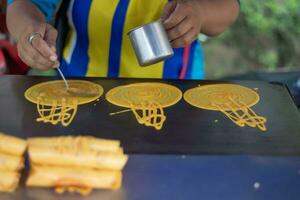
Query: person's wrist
[[201, 7]]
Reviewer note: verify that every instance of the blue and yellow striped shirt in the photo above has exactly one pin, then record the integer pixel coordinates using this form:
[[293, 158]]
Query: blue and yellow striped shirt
[[97, 43]]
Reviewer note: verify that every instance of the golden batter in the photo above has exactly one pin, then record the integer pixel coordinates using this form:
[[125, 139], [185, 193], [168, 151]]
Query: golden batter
[[75, 163], [79, 151], [146, 101], [11, 161], [55, 104], [233, 100]]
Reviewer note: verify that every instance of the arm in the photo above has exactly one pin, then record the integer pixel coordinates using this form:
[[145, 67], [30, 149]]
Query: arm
[[185, 19], [218, 15], [24, 19]]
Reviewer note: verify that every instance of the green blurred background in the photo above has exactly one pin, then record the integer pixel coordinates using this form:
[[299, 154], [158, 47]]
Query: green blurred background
[[265, 38]]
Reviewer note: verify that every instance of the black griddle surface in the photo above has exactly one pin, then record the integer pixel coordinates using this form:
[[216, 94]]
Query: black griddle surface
[[187, 130]]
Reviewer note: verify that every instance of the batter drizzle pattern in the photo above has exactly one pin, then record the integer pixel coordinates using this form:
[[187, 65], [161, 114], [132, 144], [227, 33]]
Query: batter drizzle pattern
[[234, 101], [56, 105], [146, 101]]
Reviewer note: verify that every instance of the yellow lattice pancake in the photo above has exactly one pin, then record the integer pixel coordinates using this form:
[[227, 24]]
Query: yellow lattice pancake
[[56, 91], [233, 100], [138, 93], [146, 101], [57, 104], [209, 96]]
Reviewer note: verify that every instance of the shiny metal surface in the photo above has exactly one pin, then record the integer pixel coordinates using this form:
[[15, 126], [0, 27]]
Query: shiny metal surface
[[63, 77], [219, 168], [186, 177], [160, 164], [150, 43], [187, 129]]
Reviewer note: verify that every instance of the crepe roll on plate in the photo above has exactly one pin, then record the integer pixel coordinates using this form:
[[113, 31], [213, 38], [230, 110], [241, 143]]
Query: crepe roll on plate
[[9, 180], [10, 162], [87, 142], [73, 179], [77, 158], [12, 145]]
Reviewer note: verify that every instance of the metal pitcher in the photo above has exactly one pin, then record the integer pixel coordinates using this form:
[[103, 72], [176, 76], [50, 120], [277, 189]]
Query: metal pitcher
[[150, 43]]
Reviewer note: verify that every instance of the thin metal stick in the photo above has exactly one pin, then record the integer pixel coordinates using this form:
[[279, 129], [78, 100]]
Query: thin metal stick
[[119, 112], [63, 77]]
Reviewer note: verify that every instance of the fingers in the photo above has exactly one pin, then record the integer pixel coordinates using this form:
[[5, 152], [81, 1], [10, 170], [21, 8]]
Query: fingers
[[184, 23], [33, 58], [41, 52], [181, 29], [175, 17], [185, 40], [168, 9], [43, 48], [50, 37]]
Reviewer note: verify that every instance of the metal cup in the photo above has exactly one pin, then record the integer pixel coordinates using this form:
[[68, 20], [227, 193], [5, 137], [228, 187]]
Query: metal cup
[[150, 43]]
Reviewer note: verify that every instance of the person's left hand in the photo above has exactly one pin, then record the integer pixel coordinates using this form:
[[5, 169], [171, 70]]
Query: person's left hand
[[182, 19]]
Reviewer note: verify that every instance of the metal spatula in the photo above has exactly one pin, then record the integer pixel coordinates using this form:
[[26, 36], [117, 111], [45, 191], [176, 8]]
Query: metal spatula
[[74, 91]]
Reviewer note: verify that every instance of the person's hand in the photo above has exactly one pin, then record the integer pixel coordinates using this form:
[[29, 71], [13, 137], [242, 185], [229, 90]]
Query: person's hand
[[41, 52], [182, 19]]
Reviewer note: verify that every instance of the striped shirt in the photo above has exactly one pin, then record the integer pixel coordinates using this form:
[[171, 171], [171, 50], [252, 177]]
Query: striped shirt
[[98, 46]]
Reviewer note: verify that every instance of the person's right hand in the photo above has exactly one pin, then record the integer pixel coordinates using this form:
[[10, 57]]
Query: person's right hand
[[41, 53]]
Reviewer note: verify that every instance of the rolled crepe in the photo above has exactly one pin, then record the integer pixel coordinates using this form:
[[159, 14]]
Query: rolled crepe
[[9, 181], [58, 177], [10, 162], [12, 145], [77, 158], [78, 141]]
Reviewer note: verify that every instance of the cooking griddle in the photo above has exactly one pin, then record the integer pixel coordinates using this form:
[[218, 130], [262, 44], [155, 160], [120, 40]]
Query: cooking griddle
[[187, 130], [192, 177]]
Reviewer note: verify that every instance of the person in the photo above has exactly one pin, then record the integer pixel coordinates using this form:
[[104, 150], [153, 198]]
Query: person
[[97, 43]]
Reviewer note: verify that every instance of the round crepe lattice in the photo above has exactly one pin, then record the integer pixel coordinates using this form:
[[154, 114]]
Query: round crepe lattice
[[146, 101], [233, 100], [55, 104]]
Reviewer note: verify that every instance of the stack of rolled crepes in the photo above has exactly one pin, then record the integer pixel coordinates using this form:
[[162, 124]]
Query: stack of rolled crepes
[[11, 161], [75, 164]]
